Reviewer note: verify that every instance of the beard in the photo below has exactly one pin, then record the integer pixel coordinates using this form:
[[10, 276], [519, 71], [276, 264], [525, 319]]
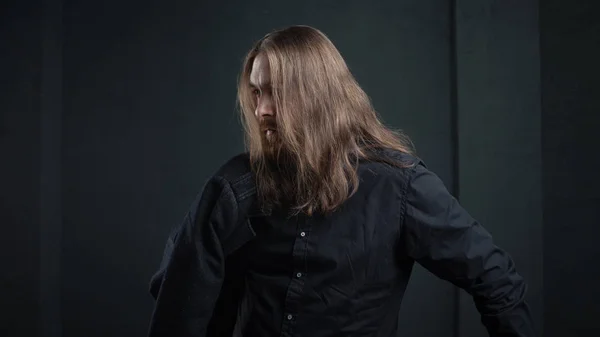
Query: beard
[[272, 146], [277, 176], [278, 158]]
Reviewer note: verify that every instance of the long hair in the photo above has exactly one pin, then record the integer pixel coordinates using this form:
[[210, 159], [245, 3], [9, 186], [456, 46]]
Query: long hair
[[325, 123]]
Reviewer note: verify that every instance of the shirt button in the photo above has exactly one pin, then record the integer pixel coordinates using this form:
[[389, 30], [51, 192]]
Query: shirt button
[[302, 234], [299, 275], [289, 317]]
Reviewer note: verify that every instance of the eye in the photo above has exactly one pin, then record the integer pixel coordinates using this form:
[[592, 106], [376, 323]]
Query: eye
[[256, 92]]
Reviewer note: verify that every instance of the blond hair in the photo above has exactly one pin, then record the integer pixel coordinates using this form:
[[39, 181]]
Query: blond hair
[[325, 122]]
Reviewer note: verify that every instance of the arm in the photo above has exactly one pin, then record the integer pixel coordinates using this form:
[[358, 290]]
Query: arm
[[442, 237], [192, 272]]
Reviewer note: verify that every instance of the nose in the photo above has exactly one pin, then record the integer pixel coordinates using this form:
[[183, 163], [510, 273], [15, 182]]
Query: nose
[[265, 107]]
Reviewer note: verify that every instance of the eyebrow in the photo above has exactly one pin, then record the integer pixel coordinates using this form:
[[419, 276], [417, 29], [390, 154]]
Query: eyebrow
[[266, 85]]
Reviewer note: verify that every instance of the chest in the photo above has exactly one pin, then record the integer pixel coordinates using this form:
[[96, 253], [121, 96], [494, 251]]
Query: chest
[[359, 244]]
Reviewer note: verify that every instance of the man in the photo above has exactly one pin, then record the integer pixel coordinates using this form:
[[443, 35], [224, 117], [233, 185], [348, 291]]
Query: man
[[315, 231]]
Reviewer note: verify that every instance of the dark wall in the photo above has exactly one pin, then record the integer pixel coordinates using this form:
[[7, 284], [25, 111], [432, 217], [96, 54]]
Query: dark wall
[[20, 132], [570, 50], [498, 90]]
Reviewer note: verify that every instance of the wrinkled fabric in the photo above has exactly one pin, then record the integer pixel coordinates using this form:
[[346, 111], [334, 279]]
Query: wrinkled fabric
[[230, 270]]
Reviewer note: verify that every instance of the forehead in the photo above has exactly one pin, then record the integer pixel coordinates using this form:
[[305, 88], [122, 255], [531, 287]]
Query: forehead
[[260, 74]]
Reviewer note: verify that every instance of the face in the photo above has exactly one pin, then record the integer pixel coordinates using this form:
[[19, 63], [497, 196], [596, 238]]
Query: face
[[260, 82]]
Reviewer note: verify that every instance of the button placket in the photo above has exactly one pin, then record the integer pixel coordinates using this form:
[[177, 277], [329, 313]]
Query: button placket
[[296, 286]]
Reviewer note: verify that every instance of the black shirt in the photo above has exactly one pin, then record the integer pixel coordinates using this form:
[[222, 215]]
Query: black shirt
[[342, 274]]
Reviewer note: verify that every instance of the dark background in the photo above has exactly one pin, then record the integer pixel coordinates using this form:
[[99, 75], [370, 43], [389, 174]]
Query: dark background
[[114, 113]]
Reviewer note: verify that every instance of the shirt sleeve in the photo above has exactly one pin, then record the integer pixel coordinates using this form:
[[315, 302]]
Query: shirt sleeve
[[442, 237], [192, 273]]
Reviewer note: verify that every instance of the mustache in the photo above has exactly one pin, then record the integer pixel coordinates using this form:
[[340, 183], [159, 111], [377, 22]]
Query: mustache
[[268, 123]]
